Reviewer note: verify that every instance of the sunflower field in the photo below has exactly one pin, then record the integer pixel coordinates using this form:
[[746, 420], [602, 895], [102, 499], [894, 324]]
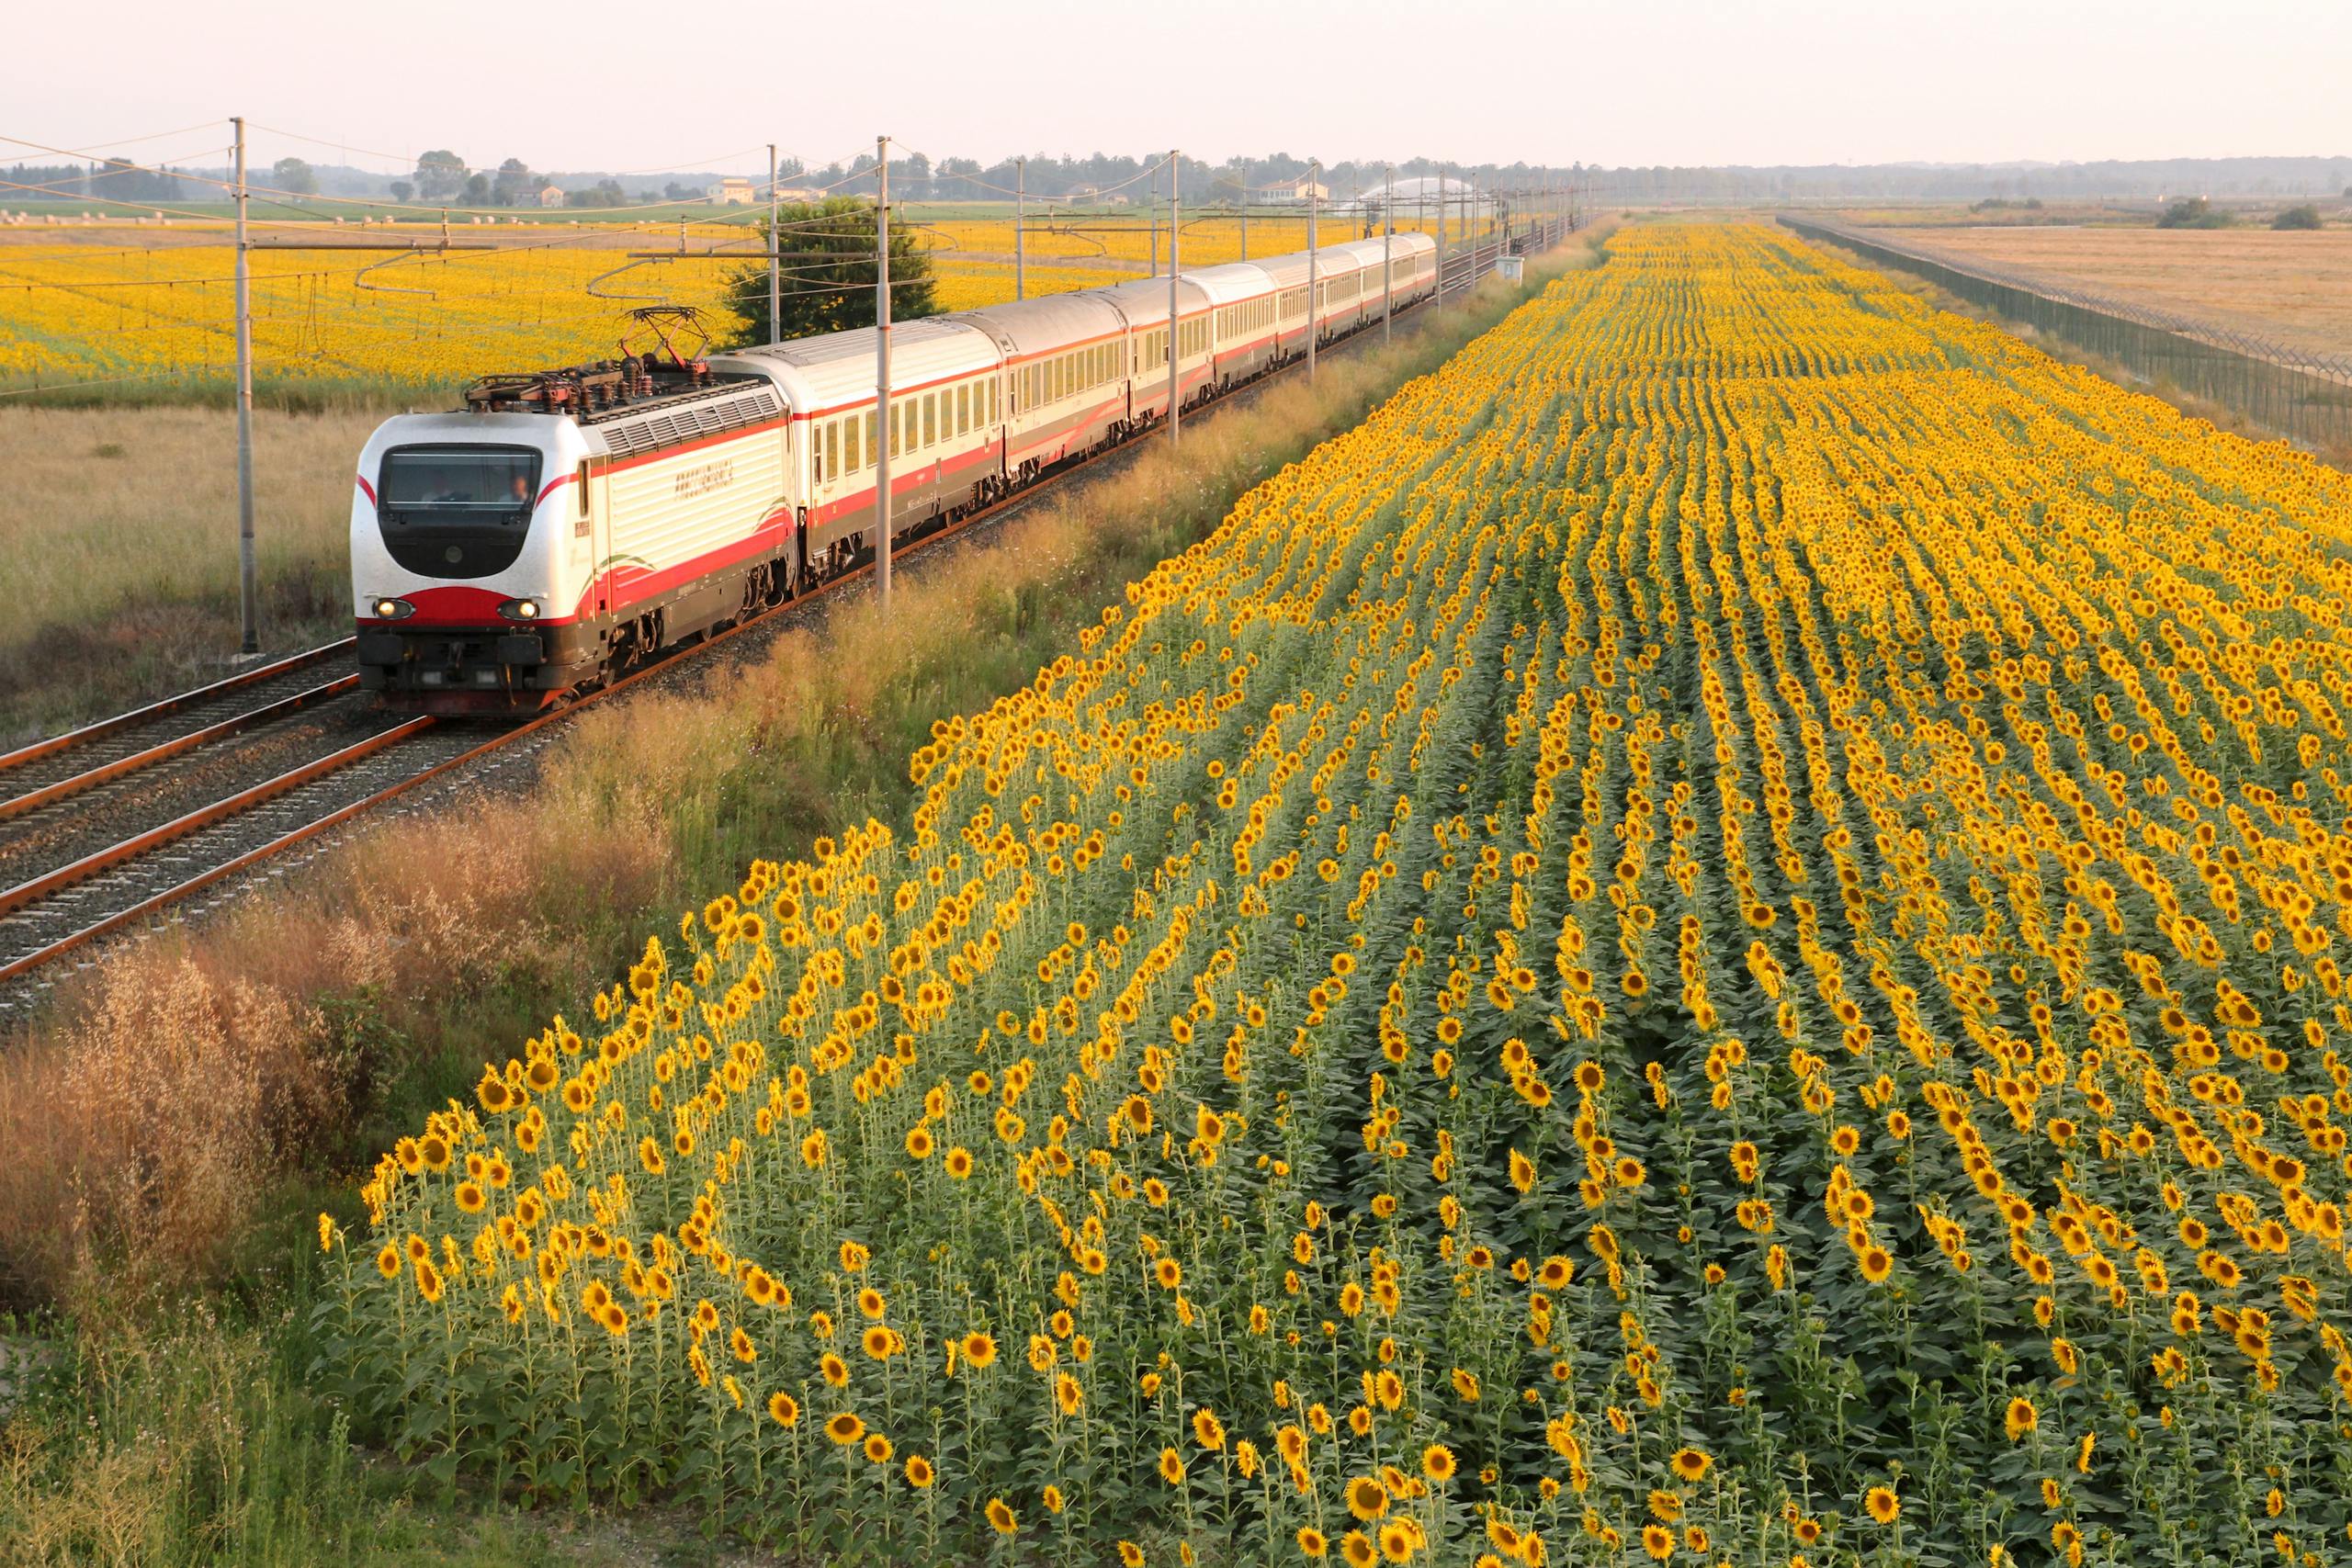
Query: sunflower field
[[161, 309], [1712, 939]]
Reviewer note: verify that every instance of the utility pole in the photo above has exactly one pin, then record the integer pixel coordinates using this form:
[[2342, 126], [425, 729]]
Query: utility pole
[[884, 437], [1387, 244], [776, 259], [247, 587], [1175, 383], [1019, 215], [1152, 208], [1439, 297], [1314, 316], [1245, 209]]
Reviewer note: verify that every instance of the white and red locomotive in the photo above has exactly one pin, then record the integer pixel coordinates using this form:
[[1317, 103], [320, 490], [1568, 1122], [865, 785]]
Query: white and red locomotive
[[567, 523]]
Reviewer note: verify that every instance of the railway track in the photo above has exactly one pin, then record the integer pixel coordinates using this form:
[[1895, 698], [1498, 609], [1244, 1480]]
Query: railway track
[[109, 825]]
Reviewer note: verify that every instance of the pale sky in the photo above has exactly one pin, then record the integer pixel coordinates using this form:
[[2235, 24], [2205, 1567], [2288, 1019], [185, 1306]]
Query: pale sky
[[625, 85]]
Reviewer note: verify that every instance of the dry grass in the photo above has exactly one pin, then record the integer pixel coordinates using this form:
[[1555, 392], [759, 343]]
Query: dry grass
[[174, 1087], [120, 565], [146, 1124], [2296, 288], [2222, 417]]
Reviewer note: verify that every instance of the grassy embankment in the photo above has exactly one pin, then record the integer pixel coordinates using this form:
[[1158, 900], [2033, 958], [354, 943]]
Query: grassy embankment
[[182, 1109], [121, 564]]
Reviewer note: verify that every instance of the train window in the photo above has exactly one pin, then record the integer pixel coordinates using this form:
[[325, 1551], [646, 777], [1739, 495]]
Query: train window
[[897, 415], [816, 454], [580, 483], [849, 445], [929, 418], [833, 449], [456, 511], [872, 430], [963, 409]]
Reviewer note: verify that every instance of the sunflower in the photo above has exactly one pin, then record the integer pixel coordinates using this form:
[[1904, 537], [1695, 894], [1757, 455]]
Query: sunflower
[[1398, 1540], [1881, 1504], [980, 1349], [1691, 1464], [1658, 1542], [880, 1341], [1171, 1467], [2021, 1419], [845, 1429], [877, 1448], [1313, 1542], [1207, 1430], [784, 1409], [919, 1471], [1002, 1517], [959, 1162], [1130, 1555], [1437, 1464], [1357, 1551], [1367, 1498]]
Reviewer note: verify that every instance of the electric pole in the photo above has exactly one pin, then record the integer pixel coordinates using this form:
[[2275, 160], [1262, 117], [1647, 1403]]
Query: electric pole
[[247, 583], [1439, 298], [776, 259], [1175, 385], [1387, 244], [1020, 212], [1313, 315], [885, 437]]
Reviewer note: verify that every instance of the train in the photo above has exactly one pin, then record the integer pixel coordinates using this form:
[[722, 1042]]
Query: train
[[562, 526]]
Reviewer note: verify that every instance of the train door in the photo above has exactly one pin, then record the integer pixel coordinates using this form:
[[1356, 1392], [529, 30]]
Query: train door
[[592, 547]]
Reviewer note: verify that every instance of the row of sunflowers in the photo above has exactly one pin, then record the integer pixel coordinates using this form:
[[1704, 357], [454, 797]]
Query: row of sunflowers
[[1712, 939]]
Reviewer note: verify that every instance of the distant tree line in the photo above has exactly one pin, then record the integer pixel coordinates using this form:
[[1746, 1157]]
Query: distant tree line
[[114, 179]]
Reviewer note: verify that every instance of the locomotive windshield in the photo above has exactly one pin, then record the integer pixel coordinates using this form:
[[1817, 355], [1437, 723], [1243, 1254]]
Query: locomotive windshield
[[456, 511]]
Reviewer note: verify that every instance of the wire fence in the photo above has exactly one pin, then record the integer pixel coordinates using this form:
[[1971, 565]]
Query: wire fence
[[2302, 394]]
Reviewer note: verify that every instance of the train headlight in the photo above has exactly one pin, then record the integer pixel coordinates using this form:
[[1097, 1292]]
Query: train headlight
[[391, 609], [520, 609]]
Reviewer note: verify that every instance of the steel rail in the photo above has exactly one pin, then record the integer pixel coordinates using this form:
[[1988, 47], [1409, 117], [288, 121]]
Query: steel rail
[[121, 721], [228, 806], [91, 777], [131, 849]]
